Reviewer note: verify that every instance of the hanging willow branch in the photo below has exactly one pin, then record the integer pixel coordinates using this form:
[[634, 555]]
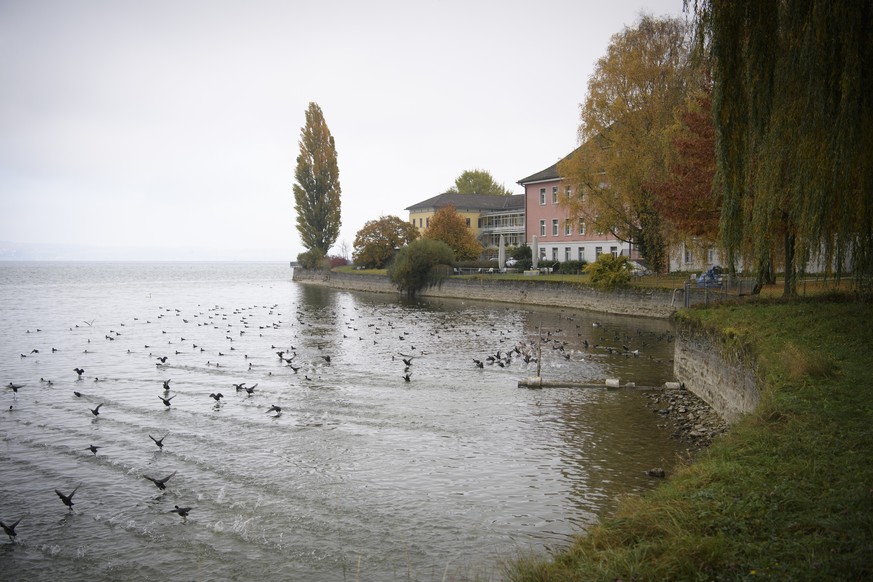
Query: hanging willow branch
[[792, 96]]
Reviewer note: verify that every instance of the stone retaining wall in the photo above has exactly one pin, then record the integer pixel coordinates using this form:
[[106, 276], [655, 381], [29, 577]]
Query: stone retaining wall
[[717, 370], [642, 302]]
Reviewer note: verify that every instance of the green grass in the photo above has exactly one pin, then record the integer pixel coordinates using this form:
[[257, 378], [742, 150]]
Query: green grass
[[787, 494], [355, 271], [809, 287]]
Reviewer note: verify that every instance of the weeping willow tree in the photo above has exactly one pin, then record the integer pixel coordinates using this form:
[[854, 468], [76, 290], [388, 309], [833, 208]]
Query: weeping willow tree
[[793, 85]]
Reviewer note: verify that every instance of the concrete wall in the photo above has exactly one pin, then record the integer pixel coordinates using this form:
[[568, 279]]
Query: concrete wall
[[717, 370], [642, 302]]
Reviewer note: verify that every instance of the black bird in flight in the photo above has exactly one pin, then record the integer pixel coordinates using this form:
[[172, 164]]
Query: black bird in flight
[[216, 397], [240, 386], [14, 387], [160, 483], [166, 401], [96, 411], [10, 529], [183, 511], [167, 385], [79, 371], [407, 378], [163, 359], [250, 390], [67, 499], [160, 441], [93, 449], [78, 394], [276, 409]]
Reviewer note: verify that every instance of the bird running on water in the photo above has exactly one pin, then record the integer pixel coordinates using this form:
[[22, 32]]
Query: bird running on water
[[160, 483], [68, 499], [160, 441], [10, 529]]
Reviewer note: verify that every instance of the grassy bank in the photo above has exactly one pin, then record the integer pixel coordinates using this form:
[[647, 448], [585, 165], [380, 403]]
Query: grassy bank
[[786, 495]]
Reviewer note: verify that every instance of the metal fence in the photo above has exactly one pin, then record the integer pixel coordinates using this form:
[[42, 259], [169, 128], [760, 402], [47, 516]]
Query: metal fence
[[725, 288]]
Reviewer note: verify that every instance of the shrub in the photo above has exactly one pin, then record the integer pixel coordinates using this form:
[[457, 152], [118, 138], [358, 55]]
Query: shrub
[[521, 253], [337, 261], [609, 272], [313, 259], [572, 267], [420, 264]]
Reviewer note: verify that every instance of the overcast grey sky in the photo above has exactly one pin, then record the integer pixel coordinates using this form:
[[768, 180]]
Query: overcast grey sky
[[166, 129]]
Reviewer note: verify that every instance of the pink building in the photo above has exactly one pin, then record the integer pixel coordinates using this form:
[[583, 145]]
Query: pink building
[[559, 236]]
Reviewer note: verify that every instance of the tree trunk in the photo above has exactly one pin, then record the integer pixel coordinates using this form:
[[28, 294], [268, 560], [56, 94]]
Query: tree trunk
[[790, 289]]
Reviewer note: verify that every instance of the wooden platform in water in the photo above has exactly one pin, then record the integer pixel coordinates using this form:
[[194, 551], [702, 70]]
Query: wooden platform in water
[[611, 384]]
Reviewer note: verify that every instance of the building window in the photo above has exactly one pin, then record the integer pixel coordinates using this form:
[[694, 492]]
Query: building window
[[597, 252], [554, 227], [554, 194], [555, 254], [613, 251], [543, 253], [568, 227], [542, 228], [581, 253], [542, 196], [710, 253], [468, 222], [581, 227], [566, 253], [687, 255]]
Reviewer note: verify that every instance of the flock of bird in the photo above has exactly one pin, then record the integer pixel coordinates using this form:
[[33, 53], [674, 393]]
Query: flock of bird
[[315, 331]]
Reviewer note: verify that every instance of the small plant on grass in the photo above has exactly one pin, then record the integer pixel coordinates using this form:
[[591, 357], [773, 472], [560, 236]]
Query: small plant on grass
[[609, 272]]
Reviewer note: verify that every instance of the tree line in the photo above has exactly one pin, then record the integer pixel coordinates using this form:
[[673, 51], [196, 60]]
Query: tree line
[[747, 127]]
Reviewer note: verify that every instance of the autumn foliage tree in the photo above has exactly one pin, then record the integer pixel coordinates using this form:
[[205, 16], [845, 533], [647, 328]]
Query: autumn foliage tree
[[686, 198], [631, 102], [378, 241], [317, 186], [450, 227]]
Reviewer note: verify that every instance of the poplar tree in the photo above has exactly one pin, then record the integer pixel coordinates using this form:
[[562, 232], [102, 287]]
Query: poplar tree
[[317, 186], [793, 110]]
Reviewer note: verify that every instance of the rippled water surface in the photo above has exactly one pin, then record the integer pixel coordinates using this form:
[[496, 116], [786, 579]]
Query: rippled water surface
[[362, 476]]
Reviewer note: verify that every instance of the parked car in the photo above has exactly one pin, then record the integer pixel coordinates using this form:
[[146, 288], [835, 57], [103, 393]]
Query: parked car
[[712, 277], [511, 262]]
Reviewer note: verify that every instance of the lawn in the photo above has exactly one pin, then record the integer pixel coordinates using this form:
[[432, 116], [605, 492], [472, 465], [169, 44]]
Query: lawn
[[787, 494]]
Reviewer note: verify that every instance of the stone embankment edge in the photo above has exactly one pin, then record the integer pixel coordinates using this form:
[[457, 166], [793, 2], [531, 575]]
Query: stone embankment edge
[[717, 368], [656, 303], [706, 362]]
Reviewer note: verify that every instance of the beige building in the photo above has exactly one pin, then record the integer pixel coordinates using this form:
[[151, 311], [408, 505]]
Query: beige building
[[486, 216]]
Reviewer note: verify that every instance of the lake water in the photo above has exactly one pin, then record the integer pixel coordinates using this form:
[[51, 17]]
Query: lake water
[[362, 476]]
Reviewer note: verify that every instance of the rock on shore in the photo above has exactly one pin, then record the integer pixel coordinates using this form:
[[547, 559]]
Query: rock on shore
[[691, 419]]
